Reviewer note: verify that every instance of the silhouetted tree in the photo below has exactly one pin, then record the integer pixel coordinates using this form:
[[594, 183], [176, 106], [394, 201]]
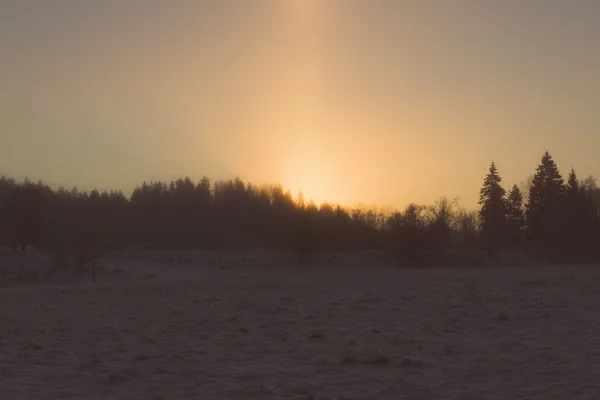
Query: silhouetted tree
[[572, 188], [7, 189], [525, 188], [578, 227], [492, 216], [592, 193], [440, 218], [574, 200], [543, 209], [466, 225], [411, 228], [515, 213]]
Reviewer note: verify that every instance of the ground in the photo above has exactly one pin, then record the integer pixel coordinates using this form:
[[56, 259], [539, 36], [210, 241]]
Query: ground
[[233, 326]]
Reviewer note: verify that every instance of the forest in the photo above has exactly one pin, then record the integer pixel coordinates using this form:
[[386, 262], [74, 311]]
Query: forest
[[550, 217]]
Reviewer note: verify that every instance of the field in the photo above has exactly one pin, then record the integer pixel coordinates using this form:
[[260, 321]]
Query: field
[[251, 326]]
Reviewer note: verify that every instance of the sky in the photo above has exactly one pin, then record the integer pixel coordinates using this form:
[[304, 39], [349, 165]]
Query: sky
[[351, 101]]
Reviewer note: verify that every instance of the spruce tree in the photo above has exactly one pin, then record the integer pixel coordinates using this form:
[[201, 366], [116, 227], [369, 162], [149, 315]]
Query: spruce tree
[[545, 196], [577, 221], [573, 185], [574, 195], [515, 215], [492, 216]]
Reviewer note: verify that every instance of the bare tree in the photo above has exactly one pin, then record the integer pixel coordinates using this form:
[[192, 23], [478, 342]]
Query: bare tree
[[466, 224], [411, 226], [525, 187]]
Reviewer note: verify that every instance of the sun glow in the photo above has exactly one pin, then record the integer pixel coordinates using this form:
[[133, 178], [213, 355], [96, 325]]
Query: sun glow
[[309, 169], [307, 180], [305, 166]]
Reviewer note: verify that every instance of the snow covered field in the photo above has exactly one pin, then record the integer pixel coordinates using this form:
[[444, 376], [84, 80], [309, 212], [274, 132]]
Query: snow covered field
[[168, 326]]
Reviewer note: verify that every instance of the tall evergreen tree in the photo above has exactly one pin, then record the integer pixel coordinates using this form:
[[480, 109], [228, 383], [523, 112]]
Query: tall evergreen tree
[[515, 215], [492, 216], [545, 194]]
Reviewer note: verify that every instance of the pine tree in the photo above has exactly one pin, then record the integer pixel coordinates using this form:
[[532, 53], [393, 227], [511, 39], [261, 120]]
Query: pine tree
[[577, 218], [574, 195], [515, 215], [545, 196], [492, 216], [572, 188]]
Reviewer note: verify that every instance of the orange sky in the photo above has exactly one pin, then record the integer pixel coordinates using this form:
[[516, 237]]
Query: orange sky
[[350, 101]]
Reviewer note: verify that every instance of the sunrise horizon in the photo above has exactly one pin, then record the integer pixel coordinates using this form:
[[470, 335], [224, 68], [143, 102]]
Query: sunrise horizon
[[298, 194]]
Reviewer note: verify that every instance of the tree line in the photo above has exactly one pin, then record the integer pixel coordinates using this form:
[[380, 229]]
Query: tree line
[[558, 219]]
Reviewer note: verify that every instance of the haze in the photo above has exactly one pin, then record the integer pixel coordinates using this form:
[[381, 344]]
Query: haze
[[350, 101]]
